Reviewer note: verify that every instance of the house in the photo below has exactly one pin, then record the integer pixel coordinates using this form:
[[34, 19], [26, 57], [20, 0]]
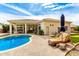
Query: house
[[48, 25], [73, 27]]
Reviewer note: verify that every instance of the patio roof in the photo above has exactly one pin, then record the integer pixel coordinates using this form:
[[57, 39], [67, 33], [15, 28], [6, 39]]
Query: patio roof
[[54, 20], [34, 21], [24, 21]]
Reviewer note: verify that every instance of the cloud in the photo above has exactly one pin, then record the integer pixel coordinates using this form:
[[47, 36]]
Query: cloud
[[55, 15], [6, 16], [67, 5], [18, 9], [50, 6], [61, 7], [40, 17], [73, 18], [45, 4]]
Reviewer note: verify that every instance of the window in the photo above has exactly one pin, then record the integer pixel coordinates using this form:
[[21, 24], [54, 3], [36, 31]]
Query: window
[[51, 24]]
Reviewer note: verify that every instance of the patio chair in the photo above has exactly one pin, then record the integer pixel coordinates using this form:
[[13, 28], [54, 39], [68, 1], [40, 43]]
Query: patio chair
[[63, 38], [74, 51]]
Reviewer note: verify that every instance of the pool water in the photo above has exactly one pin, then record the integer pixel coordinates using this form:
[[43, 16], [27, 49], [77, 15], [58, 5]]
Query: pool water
[[13, 41]]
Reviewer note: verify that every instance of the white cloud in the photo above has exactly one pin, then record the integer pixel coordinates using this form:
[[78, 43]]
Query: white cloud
[[64, 6], [73, 18], [18, 9], [40, 17], [61, 7], [45, 4], [50, 6], [5, 16]]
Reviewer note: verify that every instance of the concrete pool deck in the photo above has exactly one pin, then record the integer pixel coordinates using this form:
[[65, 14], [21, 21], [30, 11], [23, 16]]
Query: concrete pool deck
[[37, 47]]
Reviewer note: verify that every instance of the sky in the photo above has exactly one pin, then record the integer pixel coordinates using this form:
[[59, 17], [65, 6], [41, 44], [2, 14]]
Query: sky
[[39, 11]]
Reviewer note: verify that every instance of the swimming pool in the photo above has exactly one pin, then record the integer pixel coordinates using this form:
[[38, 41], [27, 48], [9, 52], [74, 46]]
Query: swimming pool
[[11, 42]]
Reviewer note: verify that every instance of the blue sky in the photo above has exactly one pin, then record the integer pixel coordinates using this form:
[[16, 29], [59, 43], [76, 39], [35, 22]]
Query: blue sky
[[39, 11]]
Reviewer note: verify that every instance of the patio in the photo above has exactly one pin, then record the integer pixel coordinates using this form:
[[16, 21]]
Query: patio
[[3, 34], [38, 47]]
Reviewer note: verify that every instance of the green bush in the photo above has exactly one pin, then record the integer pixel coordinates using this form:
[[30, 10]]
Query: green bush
[[41, 32], [5, 28], [77, 28]]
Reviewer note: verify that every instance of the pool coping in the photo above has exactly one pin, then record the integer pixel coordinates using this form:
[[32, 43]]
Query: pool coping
[[13, 35], [18, 46]]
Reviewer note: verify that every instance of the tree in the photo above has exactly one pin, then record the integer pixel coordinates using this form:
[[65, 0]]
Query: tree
[[41, 32], [77, 28], [5, 28]]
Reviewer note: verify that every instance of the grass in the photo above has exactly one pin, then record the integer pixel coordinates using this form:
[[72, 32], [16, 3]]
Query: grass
[[75, 38]]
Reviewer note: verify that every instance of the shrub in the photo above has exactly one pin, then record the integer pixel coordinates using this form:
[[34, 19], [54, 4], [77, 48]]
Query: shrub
[[77, 28], [5, 28], [41, 32]]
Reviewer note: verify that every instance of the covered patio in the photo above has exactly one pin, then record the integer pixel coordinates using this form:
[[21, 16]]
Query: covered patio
[[24, 26]]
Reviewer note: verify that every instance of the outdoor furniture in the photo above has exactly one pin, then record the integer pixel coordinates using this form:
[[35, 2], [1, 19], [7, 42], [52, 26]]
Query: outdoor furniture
[[63, 38], [74, 51]]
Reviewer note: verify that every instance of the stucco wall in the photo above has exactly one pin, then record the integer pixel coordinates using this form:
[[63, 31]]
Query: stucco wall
[[50, 28]]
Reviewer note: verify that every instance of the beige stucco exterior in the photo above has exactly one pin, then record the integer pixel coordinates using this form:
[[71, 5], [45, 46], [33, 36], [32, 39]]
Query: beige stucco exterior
[[48, 25]]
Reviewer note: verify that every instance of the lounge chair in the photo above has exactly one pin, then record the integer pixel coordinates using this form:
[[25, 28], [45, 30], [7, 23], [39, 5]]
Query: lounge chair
[[63, 38], [74, 51]]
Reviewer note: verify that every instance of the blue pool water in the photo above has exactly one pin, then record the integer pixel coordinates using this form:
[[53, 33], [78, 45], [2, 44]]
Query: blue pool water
[[13, 41]]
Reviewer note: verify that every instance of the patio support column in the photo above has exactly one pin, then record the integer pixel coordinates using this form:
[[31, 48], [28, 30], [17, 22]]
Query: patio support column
[[25, 28], [38, 29], [15, 28], [10, 28]]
